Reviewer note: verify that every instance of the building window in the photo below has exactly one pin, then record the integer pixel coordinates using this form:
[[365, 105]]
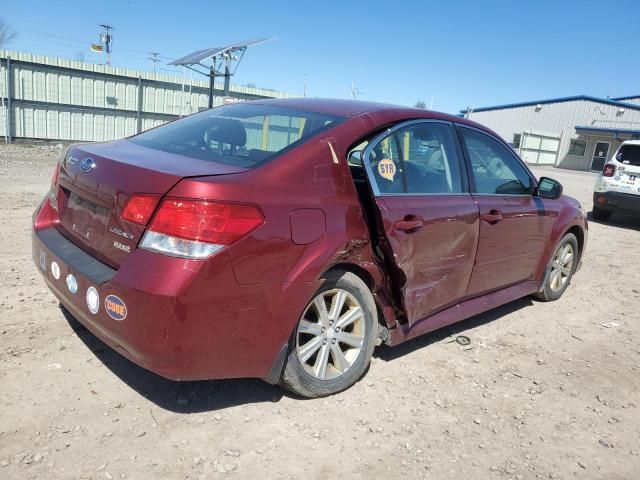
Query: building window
[[516, 141], [577, 148]]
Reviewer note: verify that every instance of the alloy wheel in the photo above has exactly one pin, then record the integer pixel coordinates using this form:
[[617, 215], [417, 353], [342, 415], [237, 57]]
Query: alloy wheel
[[330, 334], [561, 267]]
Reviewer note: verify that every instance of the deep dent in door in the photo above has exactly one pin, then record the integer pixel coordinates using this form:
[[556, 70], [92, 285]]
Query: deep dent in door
[[430, 267]]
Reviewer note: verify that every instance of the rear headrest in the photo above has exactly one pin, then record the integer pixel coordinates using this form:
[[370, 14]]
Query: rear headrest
[[227, 130]]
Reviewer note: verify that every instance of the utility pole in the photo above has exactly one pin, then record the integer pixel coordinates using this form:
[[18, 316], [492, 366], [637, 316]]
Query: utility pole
[[305, 85], [106, 38], [154, 58]]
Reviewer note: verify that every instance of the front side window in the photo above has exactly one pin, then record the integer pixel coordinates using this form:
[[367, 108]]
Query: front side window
[[577, 148], [417, 159], [495, 169], [244, 135]]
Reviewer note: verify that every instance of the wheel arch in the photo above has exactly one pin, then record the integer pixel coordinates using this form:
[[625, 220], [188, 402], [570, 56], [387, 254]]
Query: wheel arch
[[386, 319], [357, 270], [580, 235], [578, 232]]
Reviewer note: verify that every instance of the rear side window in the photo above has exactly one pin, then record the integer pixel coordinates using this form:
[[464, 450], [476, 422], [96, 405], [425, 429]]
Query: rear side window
[[495, 169], [244, 135], [629, 154]]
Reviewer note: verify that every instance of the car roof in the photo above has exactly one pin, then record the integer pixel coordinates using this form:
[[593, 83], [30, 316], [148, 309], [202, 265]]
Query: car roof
[[350, 108], [383, 112], [329, 106], [631, 142]]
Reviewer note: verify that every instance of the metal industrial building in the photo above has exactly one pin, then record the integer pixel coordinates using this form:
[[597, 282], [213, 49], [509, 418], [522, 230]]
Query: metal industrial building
[[58, 99], [577, 133]]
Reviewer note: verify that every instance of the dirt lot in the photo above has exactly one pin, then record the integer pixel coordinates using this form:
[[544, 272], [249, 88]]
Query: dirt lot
[[543, 391]]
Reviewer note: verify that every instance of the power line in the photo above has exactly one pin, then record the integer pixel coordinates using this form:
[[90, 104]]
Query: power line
[[84, 42], [44, 34]]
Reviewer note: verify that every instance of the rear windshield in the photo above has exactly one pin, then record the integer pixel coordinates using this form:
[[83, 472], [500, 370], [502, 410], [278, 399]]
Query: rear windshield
[[244, 135], [629, 154]]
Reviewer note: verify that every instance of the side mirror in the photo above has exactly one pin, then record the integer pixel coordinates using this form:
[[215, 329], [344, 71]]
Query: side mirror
[[549, 188]]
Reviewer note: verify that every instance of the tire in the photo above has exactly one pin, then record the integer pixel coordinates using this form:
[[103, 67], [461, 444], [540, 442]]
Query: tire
[[561, 269], [318, 336], [599, 214]]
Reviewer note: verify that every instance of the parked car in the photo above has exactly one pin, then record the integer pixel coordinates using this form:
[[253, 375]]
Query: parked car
[[285, 239], [617, 187]]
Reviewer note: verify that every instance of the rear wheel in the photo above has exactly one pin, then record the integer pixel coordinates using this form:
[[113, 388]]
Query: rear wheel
[[599, 214], [560, 272], [334, 339]]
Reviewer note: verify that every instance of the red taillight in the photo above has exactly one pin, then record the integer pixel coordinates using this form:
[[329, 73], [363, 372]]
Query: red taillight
[[609, 170], [45, 217], [139, 208], [213, 222]]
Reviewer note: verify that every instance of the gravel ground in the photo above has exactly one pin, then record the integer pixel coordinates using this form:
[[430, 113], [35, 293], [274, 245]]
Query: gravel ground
[[545, 390]]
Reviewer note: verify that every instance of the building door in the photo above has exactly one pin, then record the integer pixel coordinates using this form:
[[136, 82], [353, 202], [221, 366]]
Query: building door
[[539, 149], [600, 156]]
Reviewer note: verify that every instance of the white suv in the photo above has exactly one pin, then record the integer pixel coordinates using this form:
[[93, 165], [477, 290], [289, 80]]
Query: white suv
[[618, 185]]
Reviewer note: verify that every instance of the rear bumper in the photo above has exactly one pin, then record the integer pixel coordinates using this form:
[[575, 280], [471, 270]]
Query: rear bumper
[[185, 320], [617, 202]]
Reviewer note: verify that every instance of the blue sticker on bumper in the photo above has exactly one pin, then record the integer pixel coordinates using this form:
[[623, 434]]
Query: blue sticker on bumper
[[115, 307]]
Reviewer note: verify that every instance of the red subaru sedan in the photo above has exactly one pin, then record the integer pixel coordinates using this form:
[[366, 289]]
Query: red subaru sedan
[[285, 239]]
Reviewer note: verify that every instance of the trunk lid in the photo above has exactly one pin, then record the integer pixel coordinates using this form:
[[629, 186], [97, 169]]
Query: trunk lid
[[96, 180]]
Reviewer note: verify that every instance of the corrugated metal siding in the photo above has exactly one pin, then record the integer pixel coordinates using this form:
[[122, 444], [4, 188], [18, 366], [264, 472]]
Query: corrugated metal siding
[[560, 119], [60, 99]]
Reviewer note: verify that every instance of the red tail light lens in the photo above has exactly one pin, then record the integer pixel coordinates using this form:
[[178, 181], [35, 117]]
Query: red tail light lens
[[139, 208], [217, 223], [609, 170], [46, 216]]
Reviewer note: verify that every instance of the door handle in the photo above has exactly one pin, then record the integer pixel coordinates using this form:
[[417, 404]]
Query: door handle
[[408, 225], [494, 216]]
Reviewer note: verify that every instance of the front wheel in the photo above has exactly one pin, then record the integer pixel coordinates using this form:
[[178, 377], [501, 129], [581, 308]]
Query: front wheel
[[334, 339], [560, 272]]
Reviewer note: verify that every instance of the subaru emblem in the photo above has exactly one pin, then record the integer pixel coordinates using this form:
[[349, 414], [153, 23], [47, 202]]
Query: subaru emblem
[[87, 165]]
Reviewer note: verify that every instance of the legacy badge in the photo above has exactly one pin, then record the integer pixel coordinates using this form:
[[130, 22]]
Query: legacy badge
[[117, 231]]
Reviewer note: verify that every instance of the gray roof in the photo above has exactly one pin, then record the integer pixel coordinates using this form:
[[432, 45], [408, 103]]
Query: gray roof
[[559, 100]]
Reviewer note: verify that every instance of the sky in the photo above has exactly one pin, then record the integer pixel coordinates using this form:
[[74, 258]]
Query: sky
[[449, 54]]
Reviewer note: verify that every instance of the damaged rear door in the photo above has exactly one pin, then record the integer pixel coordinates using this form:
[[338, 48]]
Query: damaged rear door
[[428, 223]]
